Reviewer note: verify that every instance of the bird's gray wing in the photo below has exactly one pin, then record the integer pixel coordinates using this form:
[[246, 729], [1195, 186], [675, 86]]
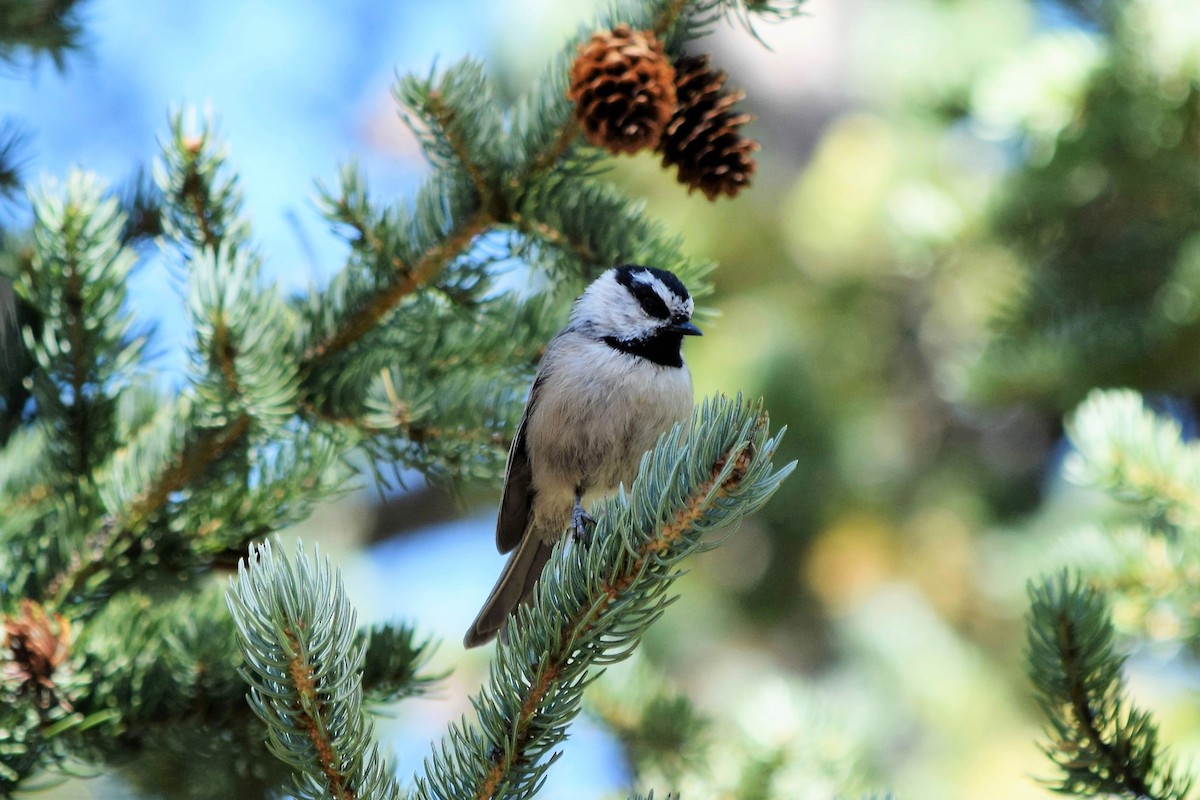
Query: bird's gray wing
[[517, 500]]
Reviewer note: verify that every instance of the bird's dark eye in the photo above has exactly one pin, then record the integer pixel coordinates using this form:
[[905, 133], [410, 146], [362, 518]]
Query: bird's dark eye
[[650, 301]]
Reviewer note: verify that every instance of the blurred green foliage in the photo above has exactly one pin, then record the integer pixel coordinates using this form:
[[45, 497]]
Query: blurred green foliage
[[999, 212], [967, 215]]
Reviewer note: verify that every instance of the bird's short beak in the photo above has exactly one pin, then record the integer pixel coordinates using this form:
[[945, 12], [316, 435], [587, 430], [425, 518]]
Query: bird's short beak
[[687, 329]]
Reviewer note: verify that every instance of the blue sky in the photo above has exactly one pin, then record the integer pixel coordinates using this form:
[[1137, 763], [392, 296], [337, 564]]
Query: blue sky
[[297, 88]]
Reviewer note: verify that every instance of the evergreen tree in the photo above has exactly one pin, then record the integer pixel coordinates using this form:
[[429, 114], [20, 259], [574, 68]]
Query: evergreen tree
[[1102, 211], [1145, 559], [126, 649], [122, 648]]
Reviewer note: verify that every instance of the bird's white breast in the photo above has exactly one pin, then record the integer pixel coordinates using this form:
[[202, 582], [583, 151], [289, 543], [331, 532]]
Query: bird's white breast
[[596, 412]]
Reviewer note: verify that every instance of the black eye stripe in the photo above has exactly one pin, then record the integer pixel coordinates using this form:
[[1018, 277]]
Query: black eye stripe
[[626, 272], [651, 302]]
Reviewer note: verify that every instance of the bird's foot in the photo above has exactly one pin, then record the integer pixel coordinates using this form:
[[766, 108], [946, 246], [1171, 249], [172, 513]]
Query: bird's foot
[[581, 525]]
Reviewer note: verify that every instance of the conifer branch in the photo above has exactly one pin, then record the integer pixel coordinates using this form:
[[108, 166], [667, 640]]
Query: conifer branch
[[557, 150], [406, 282], [460, 128], [12, 141], [460, 125], [75, 282], [203, 206], [202, 202], [168, 633], [394, 663], [591, 607], [561, 211], [142, 202], [296, 631], [223, 350], [40, 26], [77, 377], [193, 191], [246, 377], [556, 237], [150, 625], [191, 463], [1101, 741], [241, 328], [1131, 453], [171, 661], [113, 536], [445, 118]]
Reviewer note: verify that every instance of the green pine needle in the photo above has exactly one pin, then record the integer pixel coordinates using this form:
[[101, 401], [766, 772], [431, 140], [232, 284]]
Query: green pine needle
[[84, 349], [1100, 741], [304, 661], [203, 202], [1137, 456], [12, 141], [394, 662], [31, 28]]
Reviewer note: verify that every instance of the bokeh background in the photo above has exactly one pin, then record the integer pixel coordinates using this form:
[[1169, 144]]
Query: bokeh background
[[967, 213]]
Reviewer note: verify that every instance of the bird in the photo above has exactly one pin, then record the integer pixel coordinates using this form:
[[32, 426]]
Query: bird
[[607, 386]]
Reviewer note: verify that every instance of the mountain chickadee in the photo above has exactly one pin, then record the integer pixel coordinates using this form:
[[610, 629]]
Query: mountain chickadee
[[608, 385]]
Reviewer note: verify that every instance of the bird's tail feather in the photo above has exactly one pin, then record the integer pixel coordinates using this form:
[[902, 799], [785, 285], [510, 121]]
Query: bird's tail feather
[[514, 587]]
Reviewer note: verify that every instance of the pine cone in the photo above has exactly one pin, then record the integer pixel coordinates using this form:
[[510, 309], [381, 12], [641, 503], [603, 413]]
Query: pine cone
[[702, 138], [37, 645], [623, 87]]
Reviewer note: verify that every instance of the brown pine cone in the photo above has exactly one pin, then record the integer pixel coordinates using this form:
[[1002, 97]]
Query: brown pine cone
[[623, 87], [702, 138], [37, 643]]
